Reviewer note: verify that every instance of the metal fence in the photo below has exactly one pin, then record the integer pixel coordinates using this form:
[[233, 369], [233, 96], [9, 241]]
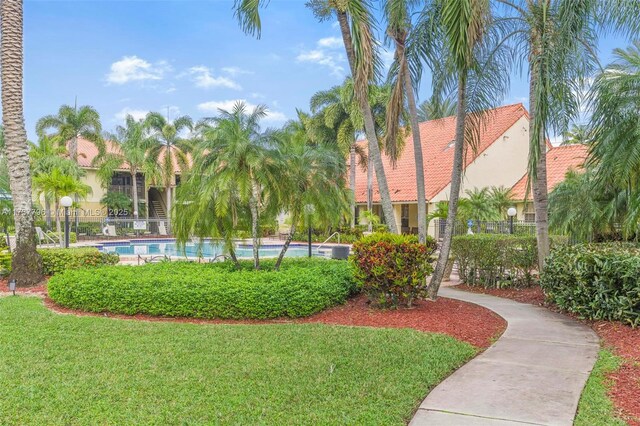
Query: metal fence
[[520, 227], [88, 228]]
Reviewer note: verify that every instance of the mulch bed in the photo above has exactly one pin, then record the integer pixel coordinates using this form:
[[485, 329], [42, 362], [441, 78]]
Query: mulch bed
[[40, 289], [622, 339], [464, 321]]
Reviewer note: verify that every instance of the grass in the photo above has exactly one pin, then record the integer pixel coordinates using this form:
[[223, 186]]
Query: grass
[[595, 407], [62, 369]]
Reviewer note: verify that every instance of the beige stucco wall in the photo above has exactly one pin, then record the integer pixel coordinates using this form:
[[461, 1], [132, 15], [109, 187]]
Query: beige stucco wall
[[503, 163]]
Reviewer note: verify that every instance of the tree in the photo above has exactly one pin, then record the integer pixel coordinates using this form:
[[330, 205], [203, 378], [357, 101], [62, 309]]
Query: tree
[[55, 185], [398, 16], [467, 34], [579, 134], [130, 150], [435, 108], [502, 199], [26, 263], [555, 39], [481, 205], [312, 180], [356, 26], [168, 149]]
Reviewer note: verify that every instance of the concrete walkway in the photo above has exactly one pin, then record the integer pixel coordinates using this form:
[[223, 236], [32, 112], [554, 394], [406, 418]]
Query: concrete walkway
[[534, 374]]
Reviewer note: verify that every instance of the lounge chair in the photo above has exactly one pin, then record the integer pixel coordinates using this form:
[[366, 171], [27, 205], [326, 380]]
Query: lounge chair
[[43, 238], [162, 230]]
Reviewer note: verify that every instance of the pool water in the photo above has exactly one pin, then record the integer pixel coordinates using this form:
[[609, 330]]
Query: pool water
[[207, 249]]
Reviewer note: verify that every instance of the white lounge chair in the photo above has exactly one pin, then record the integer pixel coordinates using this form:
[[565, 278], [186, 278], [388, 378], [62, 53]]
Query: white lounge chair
[[162, 230], [43, 238]]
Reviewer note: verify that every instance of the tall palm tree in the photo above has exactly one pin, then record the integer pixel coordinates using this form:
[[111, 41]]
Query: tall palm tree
[[436, 107], [502, 199], [168, 149], [356, 26], [481, 205], [464, 24], [313, 179], [555, 39], [57, 184], [131, 148], [579, 134], [70, 123], [398, 16], [26, 263]]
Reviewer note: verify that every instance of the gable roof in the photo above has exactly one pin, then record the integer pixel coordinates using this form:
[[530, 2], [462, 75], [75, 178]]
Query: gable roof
[[437, 151], [560, 160], [87, 152]]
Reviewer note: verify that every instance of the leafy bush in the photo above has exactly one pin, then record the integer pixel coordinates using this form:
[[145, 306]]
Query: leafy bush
[[73, 238], [181, 289], [392, 268], [5, 262], [595, 281], [497, 260], [56, 261]]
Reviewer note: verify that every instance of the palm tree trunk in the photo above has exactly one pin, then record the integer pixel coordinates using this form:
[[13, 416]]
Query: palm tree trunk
[[539, 184], [369, 128], [134, 194], [47, 212], [369, 191], [73, 149], [352, 183], [26, 263], [417, 152], [253, 205], [168, 192], [58, 226], [456, 178], [285, 247]]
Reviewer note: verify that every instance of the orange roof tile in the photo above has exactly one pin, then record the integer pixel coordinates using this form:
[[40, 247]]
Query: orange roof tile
[[560, 160], [437, 137]]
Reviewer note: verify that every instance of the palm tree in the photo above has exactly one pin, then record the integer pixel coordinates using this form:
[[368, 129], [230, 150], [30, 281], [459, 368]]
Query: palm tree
[[312, 180], [49, 153], [55, 185], [481, 204], [71, 123], [356, 26], [555, 39], [579, 134], [26, 263], [501, 199], [168, 149], [435, 108], [130, 150], [464, 24], [398, 16]]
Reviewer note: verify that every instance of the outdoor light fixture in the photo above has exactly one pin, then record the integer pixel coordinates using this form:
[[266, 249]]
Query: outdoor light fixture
[[511, 213], [12, 286], [66, 202]]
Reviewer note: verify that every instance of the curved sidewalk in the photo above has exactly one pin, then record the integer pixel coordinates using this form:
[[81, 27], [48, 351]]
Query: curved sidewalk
[[534, 374]]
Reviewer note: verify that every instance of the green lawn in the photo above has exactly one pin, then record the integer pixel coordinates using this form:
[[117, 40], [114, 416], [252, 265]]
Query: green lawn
[[60, 369], [595, 408]]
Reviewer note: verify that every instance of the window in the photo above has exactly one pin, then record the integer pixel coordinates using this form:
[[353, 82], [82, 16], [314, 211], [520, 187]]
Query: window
[[404, 215], [357, 216], [529, 213]]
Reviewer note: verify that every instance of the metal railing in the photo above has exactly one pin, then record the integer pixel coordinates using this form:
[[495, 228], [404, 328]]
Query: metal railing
[[330, 237], [520, 227]]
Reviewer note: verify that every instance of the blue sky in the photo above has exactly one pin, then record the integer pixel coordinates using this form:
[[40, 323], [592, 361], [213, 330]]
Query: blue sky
[[183, 57]]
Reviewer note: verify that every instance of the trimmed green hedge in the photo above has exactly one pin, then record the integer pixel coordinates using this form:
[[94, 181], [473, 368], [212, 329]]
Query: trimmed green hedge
[[58, 260], [497, 260], [181, 289], [595, 281]]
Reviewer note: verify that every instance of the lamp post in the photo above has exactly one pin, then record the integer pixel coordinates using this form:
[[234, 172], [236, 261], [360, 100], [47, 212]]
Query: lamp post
[[66, 202], [511, 213]]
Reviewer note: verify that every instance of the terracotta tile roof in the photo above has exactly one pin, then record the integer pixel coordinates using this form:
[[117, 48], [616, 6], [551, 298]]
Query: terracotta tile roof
[[437, 150], [87, 151], [560, 160]]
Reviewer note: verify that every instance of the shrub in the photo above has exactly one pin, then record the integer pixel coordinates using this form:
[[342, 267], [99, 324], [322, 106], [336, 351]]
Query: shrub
[[497, 260], [5, 262], [595, 281], [392, 269], [182, 289], [56, 261]]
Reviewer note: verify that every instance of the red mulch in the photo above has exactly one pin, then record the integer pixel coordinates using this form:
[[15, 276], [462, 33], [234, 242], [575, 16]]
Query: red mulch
[[40, 289], [621, 338], [464, 321]]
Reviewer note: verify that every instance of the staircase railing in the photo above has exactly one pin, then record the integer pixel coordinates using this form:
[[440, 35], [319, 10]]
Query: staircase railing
[[330, 237]]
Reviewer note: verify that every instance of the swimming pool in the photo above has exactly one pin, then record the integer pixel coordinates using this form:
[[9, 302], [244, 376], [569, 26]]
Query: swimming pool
[[208, 249]]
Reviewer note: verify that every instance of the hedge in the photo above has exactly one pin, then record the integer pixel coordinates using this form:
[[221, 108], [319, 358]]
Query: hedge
[[595, 281], [181, 289], [392, 269], [497, 260], [58, 260]]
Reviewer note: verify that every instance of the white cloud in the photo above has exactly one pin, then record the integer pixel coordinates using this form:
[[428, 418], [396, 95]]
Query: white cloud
[[387, 57], [132, 68], [137, 114], [324, 58], [213, 107], [234, 71], [330, 42], [203, 77]]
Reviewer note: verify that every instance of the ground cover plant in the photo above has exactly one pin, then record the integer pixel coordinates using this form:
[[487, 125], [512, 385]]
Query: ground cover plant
[[64, 369], [219, 290]]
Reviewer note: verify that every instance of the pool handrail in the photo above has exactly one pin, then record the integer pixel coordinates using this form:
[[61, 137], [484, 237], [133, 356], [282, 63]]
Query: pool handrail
[[330, 236]]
